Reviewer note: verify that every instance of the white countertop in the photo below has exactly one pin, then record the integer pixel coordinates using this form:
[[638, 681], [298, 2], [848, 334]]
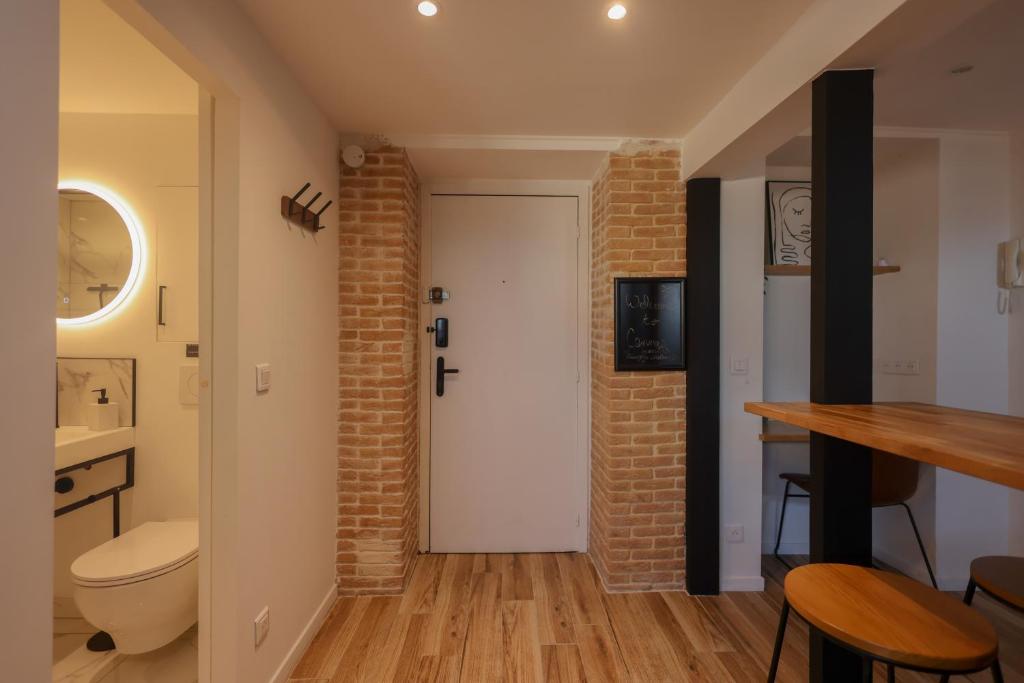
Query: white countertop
[[75, 445]]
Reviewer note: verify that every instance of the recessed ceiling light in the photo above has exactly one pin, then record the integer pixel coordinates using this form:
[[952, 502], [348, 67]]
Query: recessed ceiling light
[[616, 11], [427, 8]]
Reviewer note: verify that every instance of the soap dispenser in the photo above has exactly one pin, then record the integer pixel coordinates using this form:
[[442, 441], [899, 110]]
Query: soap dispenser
[[102, 415]]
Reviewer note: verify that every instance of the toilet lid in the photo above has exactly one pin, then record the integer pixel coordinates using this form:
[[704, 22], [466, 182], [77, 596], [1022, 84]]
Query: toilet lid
[[145, 551]]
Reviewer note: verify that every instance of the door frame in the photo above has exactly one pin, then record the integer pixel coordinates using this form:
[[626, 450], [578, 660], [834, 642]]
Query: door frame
[[219, 221], [580, 190]]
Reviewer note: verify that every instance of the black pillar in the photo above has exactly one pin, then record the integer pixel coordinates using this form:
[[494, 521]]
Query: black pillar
[[703, 209], [841, 260]]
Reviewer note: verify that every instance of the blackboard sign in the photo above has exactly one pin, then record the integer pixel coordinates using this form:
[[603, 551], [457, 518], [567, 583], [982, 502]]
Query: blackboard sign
[[649, 332]]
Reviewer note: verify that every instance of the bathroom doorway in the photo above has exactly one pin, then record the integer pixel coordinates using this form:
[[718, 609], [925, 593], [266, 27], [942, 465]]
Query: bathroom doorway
[[133, 308]]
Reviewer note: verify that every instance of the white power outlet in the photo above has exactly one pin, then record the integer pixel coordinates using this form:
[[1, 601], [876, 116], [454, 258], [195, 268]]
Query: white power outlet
[[734, 533], [261, 626], [900, 367]]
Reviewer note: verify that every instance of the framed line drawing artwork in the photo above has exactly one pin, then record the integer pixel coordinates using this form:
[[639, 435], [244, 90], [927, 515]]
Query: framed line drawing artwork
[[788, 222]]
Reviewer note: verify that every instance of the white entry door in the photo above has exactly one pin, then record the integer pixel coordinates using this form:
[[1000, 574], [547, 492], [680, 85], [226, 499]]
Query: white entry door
[[504, 473]]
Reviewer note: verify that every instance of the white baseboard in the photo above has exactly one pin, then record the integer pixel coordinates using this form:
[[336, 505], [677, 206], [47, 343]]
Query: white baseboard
[[306, 637], [736, 584]]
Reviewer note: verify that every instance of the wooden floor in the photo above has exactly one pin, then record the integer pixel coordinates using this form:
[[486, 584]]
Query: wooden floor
[[483, 618]]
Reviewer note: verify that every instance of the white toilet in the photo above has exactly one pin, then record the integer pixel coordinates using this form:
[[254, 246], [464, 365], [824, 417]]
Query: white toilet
[[143, 586]]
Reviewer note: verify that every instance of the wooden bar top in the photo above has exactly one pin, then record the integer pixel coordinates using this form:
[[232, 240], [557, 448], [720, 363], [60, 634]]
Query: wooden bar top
[[983, 445]]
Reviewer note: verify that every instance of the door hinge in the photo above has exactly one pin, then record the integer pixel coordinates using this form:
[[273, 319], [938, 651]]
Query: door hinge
[[578, 519], [577, 377]]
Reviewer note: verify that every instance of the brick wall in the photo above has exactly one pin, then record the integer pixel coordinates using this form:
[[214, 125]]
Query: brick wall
[[378, 451], [638, 428]]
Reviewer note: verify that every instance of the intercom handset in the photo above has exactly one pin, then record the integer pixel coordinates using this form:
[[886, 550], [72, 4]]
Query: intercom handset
[[1010, 267], [1009, 271]]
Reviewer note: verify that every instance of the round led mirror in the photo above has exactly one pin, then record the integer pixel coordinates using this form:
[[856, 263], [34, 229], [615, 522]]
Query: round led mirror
[[99, 253]]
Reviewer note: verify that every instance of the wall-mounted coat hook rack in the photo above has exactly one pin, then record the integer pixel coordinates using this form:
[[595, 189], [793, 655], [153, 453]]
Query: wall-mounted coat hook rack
[[302, 214]]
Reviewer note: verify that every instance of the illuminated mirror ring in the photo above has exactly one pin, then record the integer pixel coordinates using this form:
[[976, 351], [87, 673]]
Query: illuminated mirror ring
[[138, 242]]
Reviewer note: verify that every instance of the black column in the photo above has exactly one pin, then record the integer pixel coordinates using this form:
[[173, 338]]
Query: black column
[[841, 226], [703, 209]]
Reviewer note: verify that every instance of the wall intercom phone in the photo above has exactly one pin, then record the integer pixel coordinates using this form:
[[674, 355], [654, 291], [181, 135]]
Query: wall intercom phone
[[1009, 271], [1010, 267]]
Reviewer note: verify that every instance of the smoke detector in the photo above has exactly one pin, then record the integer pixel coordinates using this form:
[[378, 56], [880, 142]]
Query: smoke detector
[[353, 156]]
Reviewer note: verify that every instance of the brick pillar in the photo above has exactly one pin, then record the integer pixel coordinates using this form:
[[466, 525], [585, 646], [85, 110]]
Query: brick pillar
[[638, 427], [378, 357]]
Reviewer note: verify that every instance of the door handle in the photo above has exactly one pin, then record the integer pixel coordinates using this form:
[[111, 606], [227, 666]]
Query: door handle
[[441, 372], [160, 306]]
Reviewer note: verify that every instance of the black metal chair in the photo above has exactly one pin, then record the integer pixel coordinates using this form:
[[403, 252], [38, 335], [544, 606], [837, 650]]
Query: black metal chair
[[999, 576], [893, 482]]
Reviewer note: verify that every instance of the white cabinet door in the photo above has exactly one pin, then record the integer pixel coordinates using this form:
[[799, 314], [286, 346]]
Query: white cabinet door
[[504, 473], [177, 264]]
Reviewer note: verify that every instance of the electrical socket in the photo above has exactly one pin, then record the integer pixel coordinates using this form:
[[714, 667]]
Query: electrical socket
[[734, 533], [900, 367], [261, 627]]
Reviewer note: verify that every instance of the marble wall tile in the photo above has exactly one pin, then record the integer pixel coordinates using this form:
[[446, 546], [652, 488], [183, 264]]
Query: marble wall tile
[[78, 377]]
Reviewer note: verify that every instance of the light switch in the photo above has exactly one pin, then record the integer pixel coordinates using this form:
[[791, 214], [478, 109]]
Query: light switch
[[263, 377], [261, 626]]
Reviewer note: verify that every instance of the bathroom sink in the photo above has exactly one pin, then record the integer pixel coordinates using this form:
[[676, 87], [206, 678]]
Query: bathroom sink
[[75, 445]]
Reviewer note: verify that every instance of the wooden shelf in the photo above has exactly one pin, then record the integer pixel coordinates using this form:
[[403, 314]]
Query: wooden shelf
[[784, 437], [982, 445], [785, 270]]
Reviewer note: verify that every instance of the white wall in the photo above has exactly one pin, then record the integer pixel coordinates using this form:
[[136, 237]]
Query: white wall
[[28, 178], [939, 310], [973, 339], [742, 262], [905, 319], [787, 377], [133, 156], [275, 300], [1016, 325], [906, 234]]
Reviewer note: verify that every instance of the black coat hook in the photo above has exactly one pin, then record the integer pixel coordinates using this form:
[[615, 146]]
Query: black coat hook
[[306, 218], [310, 202], [295, 197], [324, 207]]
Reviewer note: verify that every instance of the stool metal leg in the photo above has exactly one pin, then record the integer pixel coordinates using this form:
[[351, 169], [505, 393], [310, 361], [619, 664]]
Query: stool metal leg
[[782, 518], [997, 672], [969, 593], [890, 673], [867, 670], [920, 544], [783, 618]]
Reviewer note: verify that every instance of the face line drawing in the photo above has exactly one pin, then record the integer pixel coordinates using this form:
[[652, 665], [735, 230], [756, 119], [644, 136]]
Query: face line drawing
[[791, 222]]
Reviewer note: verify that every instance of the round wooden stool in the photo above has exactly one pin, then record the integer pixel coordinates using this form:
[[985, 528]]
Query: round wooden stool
[[1001, 576], [889, 618]]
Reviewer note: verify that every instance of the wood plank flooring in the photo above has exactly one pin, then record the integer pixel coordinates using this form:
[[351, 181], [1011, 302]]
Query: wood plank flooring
[[545, 617]]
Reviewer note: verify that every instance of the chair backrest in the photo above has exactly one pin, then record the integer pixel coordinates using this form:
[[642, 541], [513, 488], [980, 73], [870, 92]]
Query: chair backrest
[[893, 479]]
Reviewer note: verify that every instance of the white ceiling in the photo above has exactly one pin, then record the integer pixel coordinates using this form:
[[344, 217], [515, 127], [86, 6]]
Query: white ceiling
[[108, 67], [915, 89], [526, 67], [918, 90]]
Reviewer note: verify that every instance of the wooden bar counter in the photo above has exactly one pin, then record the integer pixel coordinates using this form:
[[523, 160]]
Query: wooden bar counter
[[982, 445]]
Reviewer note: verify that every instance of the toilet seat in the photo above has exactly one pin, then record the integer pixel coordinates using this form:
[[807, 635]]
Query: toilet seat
[[147, 551]]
